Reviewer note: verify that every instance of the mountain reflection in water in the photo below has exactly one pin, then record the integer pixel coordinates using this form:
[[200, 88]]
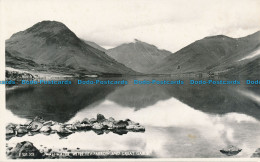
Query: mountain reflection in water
[[180, 120], [49, 101]]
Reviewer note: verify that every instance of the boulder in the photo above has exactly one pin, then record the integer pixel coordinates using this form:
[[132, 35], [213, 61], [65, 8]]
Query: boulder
[[120, 124], [77, 124], [108, 124], [230, 150], [100, 118], [56, 127], [21, 129], [11, 125], [45, 129], [25, 150], [256, 154], [71, 127], [39, 119], [130, 127], [92, 120], [28, 122], [35, 126], [86, 126], [63, 130], [49, 123], [97, 126], [9, 129], [85, 121], [81, 126]]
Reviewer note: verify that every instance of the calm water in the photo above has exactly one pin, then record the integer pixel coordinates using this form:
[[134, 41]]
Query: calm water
[[180, 120]]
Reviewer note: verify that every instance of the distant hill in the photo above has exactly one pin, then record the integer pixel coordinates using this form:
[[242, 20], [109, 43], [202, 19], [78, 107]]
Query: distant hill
[[138, 55], [211, 54], [54, 47]]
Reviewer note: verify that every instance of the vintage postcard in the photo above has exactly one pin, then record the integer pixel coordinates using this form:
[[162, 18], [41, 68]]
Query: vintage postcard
[[151, 80]]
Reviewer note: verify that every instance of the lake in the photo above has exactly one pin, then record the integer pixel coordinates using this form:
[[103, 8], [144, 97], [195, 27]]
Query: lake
[[181, 121]]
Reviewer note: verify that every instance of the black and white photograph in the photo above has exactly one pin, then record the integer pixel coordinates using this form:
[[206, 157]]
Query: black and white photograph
[[130, 80]]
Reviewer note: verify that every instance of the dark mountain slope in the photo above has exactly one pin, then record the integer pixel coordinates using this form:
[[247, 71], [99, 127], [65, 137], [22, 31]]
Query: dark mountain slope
[[51, 43], [95, 45]]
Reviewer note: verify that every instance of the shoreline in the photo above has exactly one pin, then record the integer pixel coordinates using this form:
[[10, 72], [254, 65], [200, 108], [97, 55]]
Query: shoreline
[[100, 125]]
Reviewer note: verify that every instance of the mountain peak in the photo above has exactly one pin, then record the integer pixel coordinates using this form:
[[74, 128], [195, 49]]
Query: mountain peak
[[138, 55], [47, 26], [52, 32], [218, 37], [46, 29], [137, 41], [49, 22]]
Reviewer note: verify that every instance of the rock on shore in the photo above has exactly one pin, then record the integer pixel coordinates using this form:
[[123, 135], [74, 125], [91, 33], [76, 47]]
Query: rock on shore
[[98, 125], [24, 150], [256, 154], [230, 150]]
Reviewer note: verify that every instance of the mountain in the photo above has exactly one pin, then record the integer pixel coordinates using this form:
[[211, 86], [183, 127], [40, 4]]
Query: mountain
[[139, 56], [55, 102], [94, 45], [52, 46], [211, 54], [247, 64], [209, 99], [249, 67]]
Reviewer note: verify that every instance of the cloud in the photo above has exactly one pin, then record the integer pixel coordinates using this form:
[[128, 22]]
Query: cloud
[[168, 24]]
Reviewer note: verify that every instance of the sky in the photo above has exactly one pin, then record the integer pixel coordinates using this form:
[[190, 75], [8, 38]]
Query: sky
[[167, 24]]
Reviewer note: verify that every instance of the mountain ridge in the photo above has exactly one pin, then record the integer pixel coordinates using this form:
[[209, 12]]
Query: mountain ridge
[[51, 45], [203, 55]]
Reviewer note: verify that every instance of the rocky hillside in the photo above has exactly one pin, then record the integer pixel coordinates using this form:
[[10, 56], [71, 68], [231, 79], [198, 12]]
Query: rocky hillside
[[52, 46], [211, 54], [138, 55]]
